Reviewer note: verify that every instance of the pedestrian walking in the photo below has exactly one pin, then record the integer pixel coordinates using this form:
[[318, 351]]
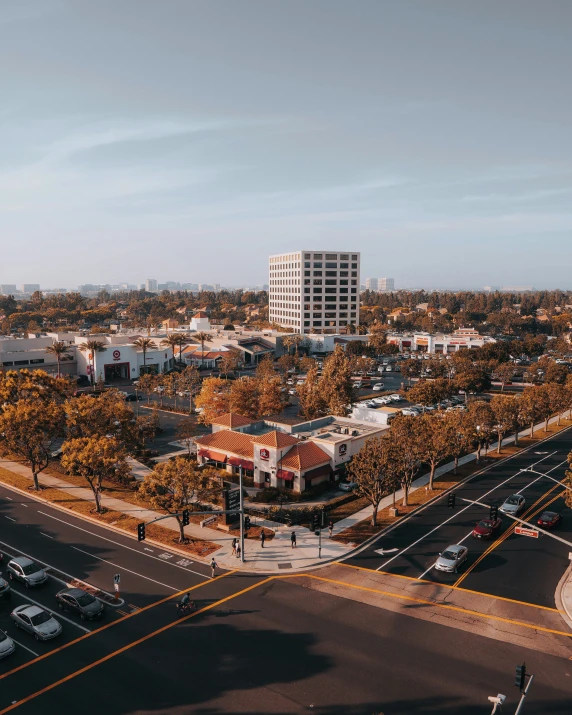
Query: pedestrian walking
[[234, 543], [293, 539], [262, 538], [331, 528], [237, 550], [214, 567]]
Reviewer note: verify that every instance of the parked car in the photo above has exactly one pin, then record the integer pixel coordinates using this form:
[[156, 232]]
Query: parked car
[[7, 646], [133, 398], [347, 486], [79, 601], [41, 624], [358, 384], [25, 570], [486, 528], [549, 519], [378, 387], [381, 400], [396, 398], [513, 505], [410, 412], [5, 590], [450, 559]]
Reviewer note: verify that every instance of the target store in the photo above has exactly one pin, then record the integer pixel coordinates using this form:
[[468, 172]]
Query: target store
[[119, 360]]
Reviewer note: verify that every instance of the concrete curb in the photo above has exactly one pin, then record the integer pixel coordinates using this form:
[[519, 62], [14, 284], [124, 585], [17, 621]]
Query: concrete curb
[[564, 604]]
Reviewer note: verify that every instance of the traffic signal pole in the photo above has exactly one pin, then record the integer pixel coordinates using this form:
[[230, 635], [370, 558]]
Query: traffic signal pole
[[241, 515], [524, 694]]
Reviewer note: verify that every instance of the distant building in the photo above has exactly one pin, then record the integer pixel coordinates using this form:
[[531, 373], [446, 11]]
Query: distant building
[[200, 322], [8, 288], [386, 284], [371, 283], [30, 287], [491, 289], [151, 285], [461, 339]]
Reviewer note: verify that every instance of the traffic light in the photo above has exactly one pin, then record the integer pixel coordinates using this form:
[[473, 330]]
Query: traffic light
[[323, 518], [141, 532], [246, 523], [520, 676], [493, 514], [315, 521], [451, 500], [186, 517]]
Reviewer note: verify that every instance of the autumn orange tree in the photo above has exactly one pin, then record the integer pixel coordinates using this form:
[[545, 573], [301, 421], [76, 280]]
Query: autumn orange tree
[[213, 399], [310, 396], [406, 451], [506, 411], [432, 438], [373, 469], [107, 415]]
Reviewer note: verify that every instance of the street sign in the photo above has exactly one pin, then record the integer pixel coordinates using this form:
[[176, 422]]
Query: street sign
[[117, 578], [523, 531], [116, 587]]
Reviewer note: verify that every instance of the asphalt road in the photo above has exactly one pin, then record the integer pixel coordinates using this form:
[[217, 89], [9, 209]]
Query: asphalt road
[[255, 645], [511, 566]]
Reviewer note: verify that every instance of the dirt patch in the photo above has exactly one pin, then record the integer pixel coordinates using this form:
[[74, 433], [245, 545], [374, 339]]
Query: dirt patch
[[197, 547]]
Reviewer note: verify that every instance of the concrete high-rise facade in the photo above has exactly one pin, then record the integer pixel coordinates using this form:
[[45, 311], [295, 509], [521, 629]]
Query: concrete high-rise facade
[[151, 285], [30, 287], [8, 288], [385, 284], [371, 283], [314, 291]]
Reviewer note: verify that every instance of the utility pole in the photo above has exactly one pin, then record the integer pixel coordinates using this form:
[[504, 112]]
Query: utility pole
[[241, 515]]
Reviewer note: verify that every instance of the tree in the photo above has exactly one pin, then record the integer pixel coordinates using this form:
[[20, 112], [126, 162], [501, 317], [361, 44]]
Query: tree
[[146, 427], [310, 396], [558, 398], [410, 368], [231, 361], [29, 430], [480, 422], [429, 392], [203, 338], [173, 486], [472, 378], [406, 452], [144, 344], [108, 415], [544, 403], [214, 399], [33, 385], [504, 373], [147, 383], [244, 396], [530, 408], [91, 347], [432, 438], [507, 413], [265, 367], [173, 341], [270, 400], [186, 431], [189, 381], [95, 459], [292, 341], [287, 362], [456, 435], [336, 382], [58, 349], [373, 469]]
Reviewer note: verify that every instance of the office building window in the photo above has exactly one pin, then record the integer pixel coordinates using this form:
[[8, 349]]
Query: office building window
[[331, 265], [317, 264], [344, 257], [317, 323], [344, 265], [317, 256]]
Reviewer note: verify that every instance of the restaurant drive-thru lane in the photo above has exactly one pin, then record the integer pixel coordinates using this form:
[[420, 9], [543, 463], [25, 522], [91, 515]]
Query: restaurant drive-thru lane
[[512, 566]]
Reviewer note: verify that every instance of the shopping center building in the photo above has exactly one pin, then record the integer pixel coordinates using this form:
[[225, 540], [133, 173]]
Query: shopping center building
[[461, 339]]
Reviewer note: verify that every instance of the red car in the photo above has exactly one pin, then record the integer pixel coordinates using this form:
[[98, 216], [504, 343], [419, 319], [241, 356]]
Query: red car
[[486, 528], [549, 519]]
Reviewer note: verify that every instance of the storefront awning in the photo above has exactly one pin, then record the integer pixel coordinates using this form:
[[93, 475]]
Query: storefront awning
[[244, 463], [283, 474], [213, 456]]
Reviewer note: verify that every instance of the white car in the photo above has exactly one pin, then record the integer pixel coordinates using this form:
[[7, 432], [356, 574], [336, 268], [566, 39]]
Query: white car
[[410, 412], [450, 559], [358, 384], [378, 387], [7, 646], [347, 486], [396, 398], [381, 400]]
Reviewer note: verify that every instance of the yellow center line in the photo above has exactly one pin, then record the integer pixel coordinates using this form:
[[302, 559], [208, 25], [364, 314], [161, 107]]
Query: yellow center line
[[111, 624], [133, 644], [423, 601], [448, 588], [510, 531]]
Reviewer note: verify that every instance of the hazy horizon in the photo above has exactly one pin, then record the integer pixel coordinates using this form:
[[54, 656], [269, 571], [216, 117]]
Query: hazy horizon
[[187, 141]]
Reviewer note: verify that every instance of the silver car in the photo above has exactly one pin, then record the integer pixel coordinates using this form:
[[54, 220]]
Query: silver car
[[24, 569], [513, 505], [41, 624], [5, 590], [7, 646], [450, 559]]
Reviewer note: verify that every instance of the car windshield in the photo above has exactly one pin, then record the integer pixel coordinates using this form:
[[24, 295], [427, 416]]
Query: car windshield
[[85, 599], [40, 618], [30, 568], [3, 636], [547, 516], [486, 524], [512, 500], [450, 555]]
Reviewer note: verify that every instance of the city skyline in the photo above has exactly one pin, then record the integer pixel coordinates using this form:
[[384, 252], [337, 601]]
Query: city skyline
[[235, 141]]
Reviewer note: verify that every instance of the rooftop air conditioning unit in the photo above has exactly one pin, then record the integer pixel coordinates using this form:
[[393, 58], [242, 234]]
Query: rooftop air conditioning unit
[[355, 433]]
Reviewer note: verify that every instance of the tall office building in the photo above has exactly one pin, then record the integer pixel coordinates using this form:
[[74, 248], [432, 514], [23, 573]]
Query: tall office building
[[30, 287], [371, 283], [151, 285], [314, 291], [8, 288], [385, 284]]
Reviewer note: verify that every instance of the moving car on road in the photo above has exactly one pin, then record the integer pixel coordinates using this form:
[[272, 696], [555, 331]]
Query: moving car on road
[[5, 590], [513, 505], [25, 570], [41, 624], [486, 528], [549, 519], [7, 646], [450, 559], [79, 601]]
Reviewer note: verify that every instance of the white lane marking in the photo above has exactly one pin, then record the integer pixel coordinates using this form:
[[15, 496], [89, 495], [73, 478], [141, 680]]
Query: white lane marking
[[146, 549], [9, 517], [22, 504], [10, 499], [123, 546], [46, 535], [470, 532], [455, 515], [56, 614], [25, 647], [117, 566]]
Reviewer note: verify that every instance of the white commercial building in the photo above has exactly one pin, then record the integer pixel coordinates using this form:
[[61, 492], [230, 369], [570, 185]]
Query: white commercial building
[[371, 283], [120, 359], [314, 291], [461, 339], [31, 353], [385, 284]]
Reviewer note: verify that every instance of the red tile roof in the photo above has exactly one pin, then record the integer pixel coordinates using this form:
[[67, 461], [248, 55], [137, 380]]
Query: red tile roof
[[305, 455], [200, 314], [275, 439], [228, 441], [231, 420]]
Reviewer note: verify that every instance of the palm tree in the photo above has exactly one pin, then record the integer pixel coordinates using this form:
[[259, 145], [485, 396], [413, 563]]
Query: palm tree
[[144, 344], [202, 338], [58, 349], [92, 347], [175, 340]]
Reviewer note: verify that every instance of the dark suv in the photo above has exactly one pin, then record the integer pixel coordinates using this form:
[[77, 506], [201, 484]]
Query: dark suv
[[74, 599]]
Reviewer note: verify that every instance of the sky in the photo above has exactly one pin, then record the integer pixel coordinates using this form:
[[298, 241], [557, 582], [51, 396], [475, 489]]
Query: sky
[[187, 140]]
